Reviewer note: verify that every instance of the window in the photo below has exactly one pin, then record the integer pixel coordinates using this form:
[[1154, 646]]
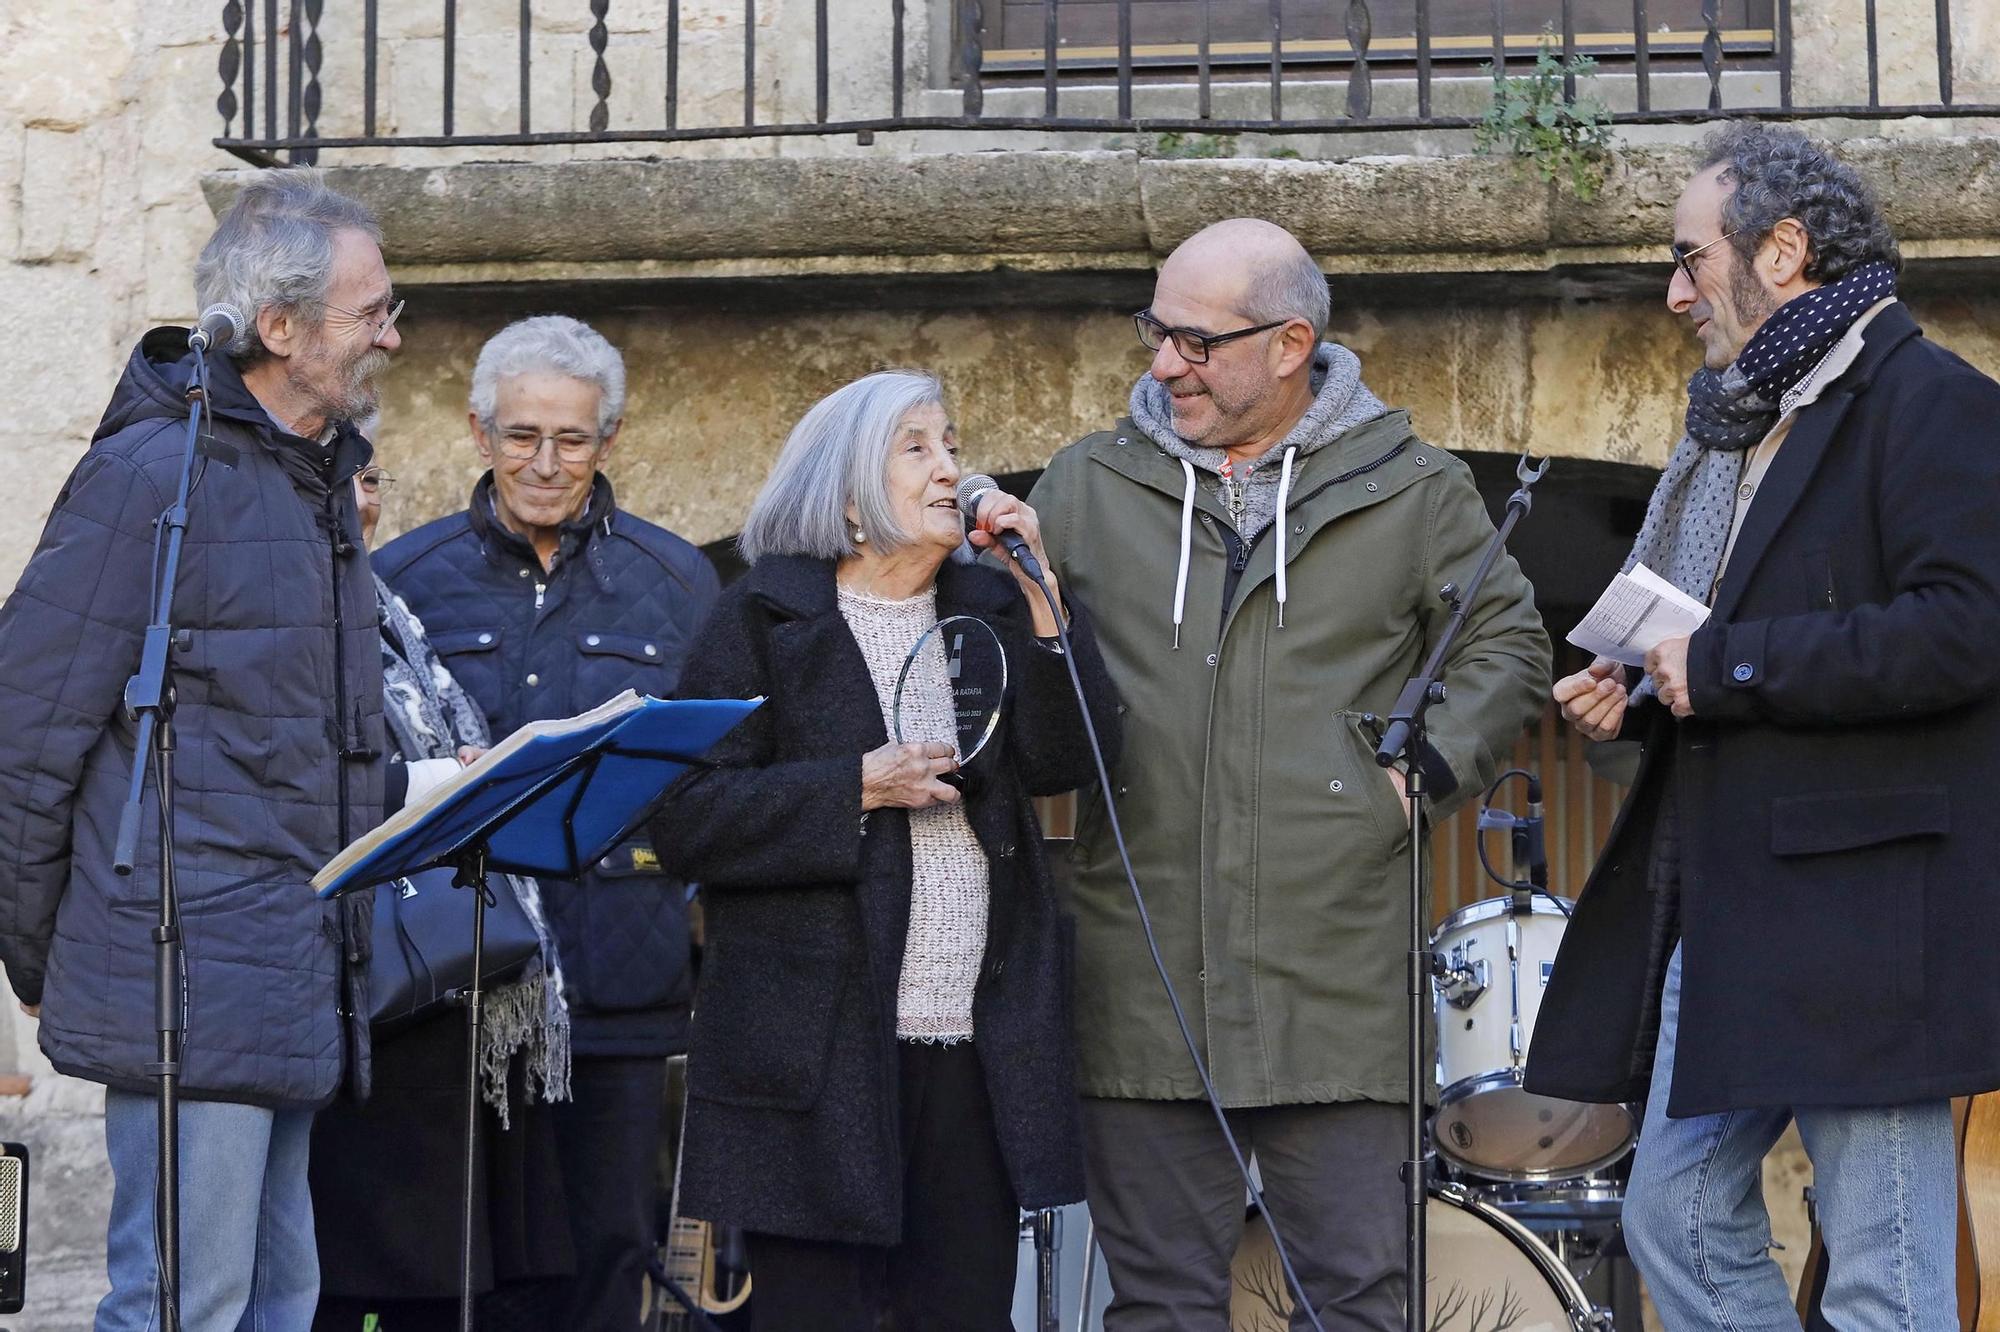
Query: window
[[1166, 34]]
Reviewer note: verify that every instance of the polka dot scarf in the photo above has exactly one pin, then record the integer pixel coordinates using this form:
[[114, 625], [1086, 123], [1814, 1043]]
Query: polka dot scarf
[[1688, 517], [1734, 408]]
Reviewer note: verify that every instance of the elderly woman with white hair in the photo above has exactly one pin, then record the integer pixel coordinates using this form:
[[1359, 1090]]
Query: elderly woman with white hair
[[881, 1072]]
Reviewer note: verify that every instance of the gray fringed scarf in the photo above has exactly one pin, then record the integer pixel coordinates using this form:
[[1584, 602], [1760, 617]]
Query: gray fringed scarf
[[429, 717], [1340, 402]]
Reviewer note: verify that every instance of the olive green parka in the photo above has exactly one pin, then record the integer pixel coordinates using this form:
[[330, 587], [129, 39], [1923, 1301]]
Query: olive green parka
[[1272, 851]]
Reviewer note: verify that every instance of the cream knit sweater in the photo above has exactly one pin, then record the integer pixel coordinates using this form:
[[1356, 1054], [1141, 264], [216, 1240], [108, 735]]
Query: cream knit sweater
[[948, 892]]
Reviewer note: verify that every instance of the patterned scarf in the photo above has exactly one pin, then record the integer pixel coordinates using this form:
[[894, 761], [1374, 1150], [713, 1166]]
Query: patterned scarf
[[430, 716], [1694, 504]]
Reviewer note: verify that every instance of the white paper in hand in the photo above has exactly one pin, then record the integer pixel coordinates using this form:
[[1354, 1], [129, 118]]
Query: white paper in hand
[[1637, 612]]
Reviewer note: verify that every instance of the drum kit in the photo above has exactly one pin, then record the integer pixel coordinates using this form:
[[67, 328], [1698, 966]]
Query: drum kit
[[1526, 1191]]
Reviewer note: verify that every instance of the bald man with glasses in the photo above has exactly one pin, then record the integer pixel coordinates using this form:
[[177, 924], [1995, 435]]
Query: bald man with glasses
[[1261, 540]]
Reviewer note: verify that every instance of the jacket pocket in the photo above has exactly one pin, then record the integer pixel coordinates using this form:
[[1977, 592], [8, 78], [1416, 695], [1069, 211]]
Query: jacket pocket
[[473, 657], [1842, 859], [1808, 825], [1356, 774], [633, 924], [764, 1023], [1816, 570]]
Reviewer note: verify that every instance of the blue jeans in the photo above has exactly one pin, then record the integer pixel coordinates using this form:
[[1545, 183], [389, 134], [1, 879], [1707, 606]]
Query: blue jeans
[[1886, 1177], [248, 1261]]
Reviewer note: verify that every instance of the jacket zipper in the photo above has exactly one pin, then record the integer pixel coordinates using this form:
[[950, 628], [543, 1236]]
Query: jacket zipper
[[333, 544], [1242, 550], [541, 590]]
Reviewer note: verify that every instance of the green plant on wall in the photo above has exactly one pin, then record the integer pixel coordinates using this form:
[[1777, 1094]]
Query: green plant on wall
[[1561, 137]]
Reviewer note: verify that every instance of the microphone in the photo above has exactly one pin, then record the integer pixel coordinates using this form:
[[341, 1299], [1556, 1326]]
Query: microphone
[[1538, 851], [219, 326], [978, 486]]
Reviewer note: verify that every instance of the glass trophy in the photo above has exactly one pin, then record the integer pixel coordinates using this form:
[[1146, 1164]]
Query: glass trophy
[[951, 689]]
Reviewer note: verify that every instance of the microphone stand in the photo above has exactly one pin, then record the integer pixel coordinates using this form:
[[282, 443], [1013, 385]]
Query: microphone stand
[[149, 702], [1404, 741]]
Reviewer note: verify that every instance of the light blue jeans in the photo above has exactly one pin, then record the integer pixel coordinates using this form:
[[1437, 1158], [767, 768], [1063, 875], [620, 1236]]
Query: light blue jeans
[[248, 1261], [1886, 1178]]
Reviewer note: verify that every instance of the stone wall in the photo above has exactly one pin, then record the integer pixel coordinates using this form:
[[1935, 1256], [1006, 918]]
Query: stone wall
[[712, 393]]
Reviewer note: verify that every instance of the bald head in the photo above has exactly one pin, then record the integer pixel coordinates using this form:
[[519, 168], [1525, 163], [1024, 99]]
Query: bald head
[[1252, 266]]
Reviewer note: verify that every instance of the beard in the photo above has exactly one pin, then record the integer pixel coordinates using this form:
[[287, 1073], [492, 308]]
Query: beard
[[343, 389], [1752, 305], [1227, 411]]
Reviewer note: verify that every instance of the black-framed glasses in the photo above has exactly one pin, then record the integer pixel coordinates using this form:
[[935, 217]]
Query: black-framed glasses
[[525, 442], [381, 325], [374, 480], [1193, 345], [1682, 254]]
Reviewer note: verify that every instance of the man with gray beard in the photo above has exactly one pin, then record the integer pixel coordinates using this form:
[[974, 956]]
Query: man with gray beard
[[280, 738]]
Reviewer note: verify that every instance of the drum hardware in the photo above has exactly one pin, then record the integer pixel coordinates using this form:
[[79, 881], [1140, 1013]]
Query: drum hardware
[[1461, 980]]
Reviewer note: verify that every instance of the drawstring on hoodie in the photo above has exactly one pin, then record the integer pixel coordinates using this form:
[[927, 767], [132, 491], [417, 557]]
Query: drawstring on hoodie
[[1284, 498], [1187, 542]]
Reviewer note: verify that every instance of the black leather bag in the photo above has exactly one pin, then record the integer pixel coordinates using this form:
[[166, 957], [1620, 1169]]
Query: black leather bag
[[422, 945]]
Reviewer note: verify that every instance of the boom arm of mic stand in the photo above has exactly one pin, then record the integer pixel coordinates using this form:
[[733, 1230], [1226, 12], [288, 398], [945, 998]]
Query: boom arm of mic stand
[[1406, 718]]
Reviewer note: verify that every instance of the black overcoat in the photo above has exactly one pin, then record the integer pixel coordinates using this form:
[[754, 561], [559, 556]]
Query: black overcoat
[[792, 1075], [1836, 785]]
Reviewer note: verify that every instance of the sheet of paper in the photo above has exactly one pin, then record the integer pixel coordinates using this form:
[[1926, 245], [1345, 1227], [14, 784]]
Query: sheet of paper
[[1637, 612]]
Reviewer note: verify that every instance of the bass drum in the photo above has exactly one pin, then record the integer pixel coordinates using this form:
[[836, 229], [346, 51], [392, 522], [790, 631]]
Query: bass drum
[[1486, 1271]]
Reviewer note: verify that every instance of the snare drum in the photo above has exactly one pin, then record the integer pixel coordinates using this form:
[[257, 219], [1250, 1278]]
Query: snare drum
[[1496, 964], [1484, 1271]]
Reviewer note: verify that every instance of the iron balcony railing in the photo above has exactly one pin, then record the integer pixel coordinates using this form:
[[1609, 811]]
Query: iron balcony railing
[[279, 59]]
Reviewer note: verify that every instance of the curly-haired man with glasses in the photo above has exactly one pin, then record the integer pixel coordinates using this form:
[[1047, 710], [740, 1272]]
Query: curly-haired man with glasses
[[1793, 919]]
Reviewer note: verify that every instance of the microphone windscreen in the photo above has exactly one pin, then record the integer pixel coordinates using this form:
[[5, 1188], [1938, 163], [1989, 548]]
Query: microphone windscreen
[[970, 488]]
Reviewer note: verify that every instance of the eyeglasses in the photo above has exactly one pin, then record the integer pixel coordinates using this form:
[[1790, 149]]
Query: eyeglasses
[[525, 442], [1193, 346], [381, 326], [1682, 254], [374, 480]]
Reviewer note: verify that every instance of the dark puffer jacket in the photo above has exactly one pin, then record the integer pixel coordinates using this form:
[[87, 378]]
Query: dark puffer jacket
[[618, 611], [279, 731]]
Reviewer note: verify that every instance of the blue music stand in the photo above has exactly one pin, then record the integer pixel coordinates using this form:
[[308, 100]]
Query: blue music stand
[[551, 808]]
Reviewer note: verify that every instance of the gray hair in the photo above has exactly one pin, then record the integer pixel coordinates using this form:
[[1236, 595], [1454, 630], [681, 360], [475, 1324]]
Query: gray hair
[[554, 344], [1290, 287], [837, 454], [1780, 173], [273, 249]]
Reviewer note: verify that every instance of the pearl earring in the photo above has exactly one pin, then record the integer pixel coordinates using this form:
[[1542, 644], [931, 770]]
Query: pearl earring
[[859, 536]]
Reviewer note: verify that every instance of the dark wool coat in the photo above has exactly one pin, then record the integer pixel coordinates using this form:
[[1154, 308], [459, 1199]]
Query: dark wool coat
[[279, 747], [1840, 882], [616, 612], [792, 1079]]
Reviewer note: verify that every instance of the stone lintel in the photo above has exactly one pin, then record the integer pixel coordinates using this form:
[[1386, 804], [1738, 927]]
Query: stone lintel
[[870, 220]]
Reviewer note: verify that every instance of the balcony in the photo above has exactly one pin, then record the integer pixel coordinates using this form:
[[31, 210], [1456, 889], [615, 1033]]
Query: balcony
[[304, 78]]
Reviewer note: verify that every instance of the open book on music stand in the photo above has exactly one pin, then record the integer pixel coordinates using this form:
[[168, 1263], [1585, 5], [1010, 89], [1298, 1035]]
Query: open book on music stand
[[550, 800]]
